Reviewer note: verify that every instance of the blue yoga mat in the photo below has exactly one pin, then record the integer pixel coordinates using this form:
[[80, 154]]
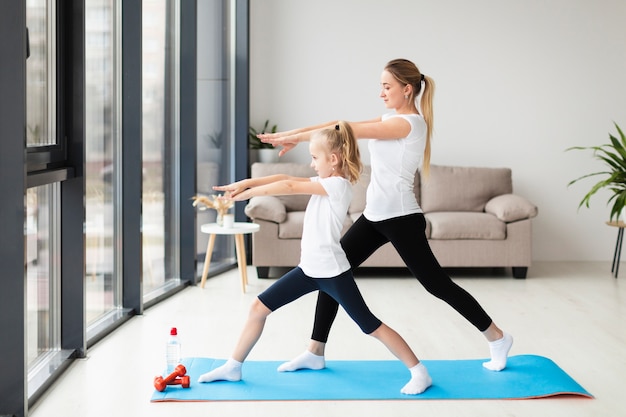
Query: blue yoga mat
[[526, 376]]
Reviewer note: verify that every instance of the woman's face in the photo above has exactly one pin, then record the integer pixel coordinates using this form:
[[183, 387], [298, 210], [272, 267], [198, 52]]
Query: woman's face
[[391, 91], [321, 158]]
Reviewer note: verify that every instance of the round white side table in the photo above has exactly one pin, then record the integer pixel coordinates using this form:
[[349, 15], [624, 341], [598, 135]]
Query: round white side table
[[238, 230]]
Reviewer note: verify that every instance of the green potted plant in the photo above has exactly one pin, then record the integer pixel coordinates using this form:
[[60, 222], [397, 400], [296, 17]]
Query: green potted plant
[[613, 155], [254, 142], [264, 152]]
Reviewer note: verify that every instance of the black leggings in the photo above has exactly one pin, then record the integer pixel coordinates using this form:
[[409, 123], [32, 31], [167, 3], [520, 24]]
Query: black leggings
[[407, 235], [295, 283]]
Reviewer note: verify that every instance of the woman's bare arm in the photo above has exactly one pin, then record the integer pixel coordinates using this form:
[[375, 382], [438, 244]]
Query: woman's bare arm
[[391, 128]]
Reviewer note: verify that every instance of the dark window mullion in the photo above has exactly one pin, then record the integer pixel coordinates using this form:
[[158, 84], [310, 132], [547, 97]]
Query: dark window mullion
[[12, 186], [132, 265]]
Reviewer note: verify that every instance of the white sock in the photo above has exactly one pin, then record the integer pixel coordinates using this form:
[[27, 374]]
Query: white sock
[[499, 350], [306, 360], [230, 371], [420, 380]]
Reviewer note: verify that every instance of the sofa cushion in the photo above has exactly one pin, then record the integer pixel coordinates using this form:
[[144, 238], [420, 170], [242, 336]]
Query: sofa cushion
[[291, 228], [511, 208], [450, 188], [465, 225], [291, 202], [266, 207]]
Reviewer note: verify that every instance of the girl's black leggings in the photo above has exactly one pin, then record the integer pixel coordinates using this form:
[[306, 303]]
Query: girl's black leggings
[[407, 235]]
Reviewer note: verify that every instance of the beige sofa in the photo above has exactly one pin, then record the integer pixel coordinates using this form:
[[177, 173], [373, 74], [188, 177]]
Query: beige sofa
[[473, 219]]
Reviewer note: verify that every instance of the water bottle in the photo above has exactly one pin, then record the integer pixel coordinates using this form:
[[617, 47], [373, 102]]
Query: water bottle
[[172, 351]]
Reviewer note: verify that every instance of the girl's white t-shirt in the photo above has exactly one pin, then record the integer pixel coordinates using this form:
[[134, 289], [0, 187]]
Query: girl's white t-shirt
[[321, 253], [394, 163]]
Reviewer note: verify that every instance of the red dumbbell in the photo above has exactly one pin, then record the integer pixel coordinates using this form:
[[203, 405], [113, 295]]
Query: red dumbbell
[[184, 381], [160, 383]]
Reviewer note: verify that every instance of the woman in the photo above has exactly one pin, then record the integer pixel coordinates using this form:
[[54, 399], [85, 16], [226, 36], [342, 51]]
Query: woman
[[400, 146]]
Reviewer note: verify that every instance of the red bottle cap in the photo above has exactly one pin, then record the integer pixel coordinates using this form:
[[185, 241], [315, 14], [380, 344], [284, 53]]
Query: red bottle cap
[[173, 332]]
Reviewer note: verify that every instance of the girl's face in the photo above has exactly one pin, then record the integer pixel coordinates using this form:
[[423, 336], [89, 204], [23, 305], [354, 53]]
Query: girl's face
[[322, 161], [391, 91]]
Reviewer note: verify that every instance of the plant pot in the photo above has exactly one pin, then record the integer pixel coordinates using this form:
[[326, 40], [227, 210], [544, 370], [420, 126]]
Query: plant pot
[[266, 155]]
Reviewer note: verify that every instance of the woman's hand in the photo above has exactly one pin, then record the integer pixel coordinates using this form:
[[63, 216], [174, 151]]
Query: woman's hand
[[284, 140], [289, 139]]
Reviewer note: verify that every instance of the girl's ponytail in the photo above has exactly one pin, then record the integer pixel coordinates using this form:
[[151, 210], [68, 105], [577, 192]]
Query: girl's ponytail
[[352, 165], [342, 142]]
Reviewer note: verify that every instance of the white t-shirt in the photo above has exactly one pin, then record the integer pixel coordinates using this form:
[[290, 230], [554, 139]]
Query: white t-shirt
[[394, 163], [321, 253]]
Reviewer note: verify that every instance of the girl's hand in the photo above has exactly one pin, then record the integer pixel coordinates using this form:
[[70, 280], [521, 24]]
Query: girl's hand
[[228, 196], [242, 196], [231, 190]]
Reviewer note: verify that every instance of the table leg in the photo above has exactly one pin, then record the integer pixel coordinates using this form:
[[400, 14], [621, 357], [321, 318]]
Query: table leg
[[207, 259], [241, 260], [618, 251], [244, 258]]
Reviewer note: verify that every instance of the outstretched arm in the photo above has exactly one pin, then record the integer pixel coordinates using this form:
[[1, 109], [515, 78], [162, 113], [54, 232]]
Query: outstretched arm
[[392, 128], [235, 188], [289, 139], [270, 185]]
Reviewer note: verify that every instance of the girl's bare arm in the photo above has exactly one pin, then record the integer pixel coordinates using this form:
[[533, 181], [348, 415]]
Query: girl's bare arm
[[292, 185], [278, 184]]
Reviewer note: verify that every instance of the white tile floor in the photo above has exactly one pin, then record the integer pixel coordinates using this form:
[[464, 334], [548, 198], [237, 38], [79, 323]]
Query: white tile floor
[[573, 313]]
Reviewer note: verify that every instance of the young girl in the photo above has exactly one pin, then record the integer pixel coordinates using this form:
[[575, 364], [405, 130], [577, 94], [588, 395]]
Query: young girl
[[323, 264], [400, 146]]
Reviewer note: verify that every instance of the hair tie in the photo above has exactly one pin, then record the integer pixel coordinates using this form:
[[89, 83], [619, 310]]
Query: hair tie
[[422, 77], [337, 127]]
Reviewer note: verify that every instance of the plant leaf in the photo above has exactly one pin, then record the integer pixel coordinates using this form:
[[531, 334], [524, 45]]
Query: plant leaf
[[613, 155]]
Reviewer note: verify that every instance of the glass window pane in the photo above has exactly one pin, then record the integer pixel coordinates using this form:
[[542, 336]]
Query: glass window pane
[[160, 142], [101, 159], [38, 85], [42, 271], [213, 142]]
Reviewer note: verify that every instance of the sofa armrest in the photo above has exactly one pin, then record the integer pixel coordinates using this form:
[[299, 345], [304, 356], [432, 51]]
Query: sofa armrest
[[266, 208], [511, 208]]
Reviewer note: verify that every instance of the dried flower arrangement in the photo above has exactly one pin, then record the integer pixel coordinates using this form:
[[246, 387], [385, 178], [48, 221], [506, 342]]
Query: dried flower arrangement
[[216, 202]]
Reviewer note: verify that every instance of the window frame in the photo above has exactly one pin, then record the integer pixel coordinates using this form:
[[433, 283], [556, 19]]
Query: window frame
[[54, 156]]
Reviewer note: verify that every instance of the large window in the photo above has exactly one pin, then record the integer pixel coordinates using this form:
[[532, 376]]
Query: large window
[[215, 133], [104, 97], [102, 159], [42, 272], [40, 72], [42, 202], [160, 145]]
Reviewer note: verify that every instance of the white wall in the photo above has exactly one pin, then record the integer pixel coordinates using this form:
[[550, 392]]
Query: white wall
[[518, 82]]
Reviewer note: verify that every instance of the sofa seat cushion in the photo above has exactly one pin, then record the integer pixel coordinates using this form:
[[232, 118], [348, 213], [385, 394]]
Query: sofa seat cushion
[[465, 225], [291, 228]]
